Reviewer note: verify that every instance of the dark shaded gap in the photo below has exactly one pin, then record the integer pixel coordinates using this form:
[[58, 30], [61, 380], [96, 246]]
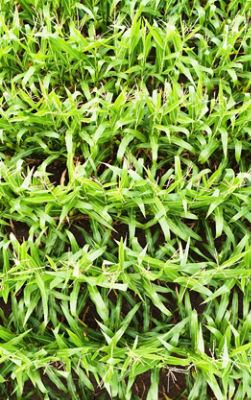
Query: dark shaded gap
[[19, 229], [59, 173]]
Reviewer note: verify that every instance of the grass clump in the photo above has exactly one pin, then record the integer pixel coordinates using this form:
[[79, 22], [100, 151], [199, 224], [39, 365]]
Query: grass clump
[[125, 199]]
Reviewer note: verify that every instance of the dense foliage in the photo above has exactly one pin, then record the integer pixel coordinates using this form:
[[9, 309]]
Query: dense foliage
[[125, 199]]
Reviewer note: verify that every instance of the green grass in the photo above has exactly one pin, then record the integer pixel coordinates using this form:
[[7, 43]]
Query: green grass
[[125, 199]]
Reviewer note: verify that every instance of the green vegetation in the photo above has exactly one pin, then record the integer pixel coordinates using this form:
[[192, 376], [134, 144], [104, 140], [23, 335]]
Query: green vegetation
[[125, 199]]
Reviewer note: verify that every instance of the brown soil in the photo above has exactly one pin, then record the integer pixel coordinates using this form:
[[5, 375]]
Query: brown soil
[[172, 382], [76, 231], [90, 316], [196, 302], [6, 307], [59, 173], [20, 230]]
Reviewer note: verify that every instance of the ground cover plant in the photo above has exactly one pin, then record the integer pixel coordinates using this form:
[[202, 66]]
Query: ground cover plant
[[125, 199]]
